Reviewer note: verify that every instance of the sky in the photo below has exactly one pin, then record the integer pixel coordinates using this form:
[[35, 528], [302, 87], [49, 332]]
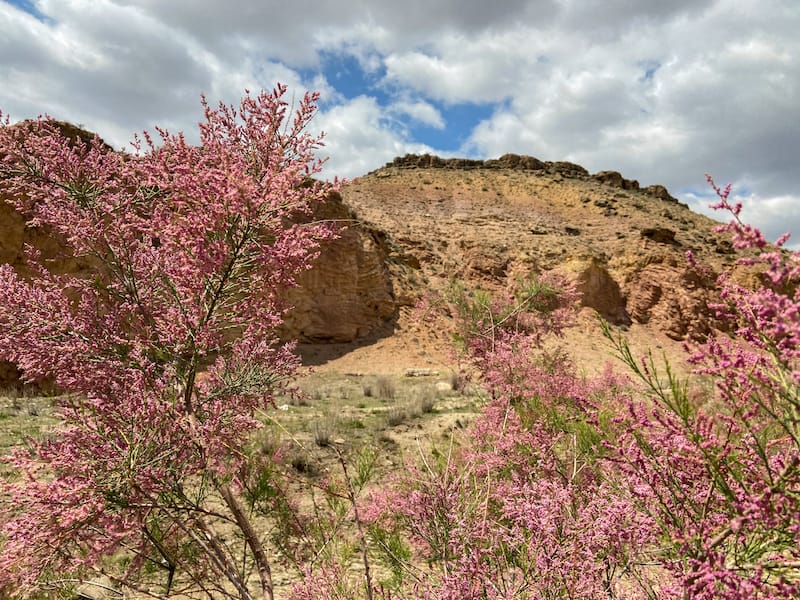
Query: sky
[[662, 91]]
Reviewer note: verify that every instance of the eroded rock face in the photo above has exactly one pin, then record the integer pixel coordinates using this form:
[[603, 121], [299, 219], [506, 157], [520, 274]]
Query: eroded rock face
[[424, 220], [622, 244], [664, 292], [598, 289], [12, 233], [348, 292]]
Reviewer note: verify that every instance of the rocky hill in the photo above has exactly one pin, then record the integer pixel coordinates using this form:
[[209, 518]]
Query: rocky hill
[[488, 222], [420, 221]]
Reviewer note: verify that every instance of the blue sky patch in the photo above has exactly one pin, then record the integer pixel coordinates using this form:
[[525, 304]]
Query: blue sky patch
[[459, 121], [346, 74], [29, 7]]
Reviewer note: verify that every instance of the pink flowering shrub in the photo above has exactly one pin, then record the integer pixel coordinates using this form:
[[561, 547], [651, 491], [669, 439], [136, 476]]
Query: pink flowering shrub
[[191, 249], [566, 487], [576, 488], [523, 508], [328, 534], [720, 473]]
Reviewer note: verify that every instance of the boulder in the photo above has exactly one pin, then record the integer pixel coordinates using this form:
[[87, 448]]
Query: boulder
[[673, 298], [660, 192], [567, 169], [615, 179], [661, 235]]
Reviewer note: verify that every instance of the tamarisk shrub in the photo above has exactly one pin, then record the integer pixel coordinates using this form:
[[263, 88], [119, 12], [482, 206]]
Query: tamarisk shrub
[[720, 475], [522, 509], [192, 248]]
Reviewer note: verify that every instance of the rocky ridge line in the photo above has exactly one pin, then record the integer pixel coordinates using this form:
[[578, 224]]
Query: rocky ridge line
[[517, 162]]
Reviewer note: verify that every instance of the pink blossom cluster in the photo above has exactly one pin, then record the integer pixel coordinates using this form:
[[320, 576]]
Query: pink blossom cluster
[[719, 472], [164, 348], [522, 508]]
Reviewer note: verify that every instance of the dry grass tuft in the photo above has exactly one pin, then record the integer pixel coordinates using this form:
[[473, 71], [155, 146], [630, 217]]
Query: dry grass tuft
[[425, 399], [397, 415], [324, 431], [385, 387]]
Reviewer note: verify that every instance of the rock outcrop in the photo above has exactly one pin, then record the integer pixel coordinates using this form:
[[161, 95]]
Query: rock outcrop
[[615, 179], [489, 222], [671, 297], [598, 289], [514, 162], [348, 293]]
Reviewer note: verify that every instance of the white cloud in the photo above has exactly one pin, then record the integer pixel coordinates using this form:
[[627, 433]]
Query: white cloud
[[359, 138], [772, 214], [712, 91], [421, 112], [661, 91], [486, 67]]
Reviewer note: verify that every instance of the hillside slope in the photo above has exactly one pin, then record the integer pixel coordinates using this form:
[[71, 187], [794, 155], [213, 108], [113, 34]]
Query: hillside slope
[[488, 223]]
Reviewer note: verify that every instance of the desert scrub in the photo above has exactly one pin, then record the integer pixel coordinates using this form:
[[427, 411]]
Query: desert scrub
[[324, 430], [382, 387], [397, 415], [425, 398]]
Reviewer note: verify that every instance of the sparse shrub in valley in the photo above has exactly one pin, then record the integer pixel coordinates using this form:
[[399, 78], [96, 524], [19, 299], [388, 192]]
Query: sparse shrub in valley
[[324, 430], [425, 399], [300, 399], [382, 387], [385, 387], [353, 423], [397, 415], [459, 382]]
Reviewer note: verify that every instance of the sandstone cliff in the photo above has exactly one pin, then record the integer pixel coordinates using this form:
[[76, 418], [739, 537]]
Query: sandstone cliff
[[349, 291]]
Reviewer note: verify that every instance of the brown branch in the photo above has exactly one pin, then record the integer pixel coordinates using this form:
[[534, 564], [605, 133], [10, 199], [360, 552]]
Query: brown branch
[[251, 538]]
